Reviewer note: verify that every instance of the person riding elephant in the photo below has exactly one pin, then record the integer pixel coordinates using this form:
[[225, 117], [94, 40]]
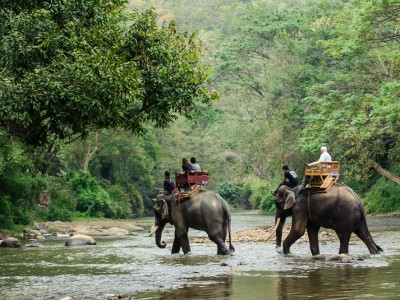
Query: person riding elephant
[[205, 211], [339, 208]]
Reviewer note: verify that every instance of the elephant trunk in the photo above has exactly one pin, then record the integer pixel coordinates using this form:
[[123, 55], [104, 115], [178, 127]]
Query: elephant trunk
[[274, 230], [280, 222], [158, 237]]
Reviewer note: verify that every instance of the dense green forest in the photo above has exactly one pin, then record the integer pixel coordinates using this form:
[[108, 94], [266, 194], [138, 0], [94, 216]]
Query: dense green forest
[[98, 99]]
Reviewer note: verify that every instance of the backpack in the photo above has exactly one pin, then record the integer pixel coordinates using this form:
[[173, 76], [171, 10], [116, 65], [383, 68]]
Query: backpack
[[295, 178]]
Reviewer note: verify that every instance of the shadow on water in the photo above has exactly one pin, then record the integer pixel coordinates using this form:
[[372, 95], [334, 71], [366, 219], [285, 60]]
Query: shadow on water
[[135, 266]]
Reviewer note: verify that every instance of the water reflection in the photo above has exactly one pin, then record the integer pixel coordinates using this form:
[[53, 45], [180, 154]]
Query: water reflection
[[219, 288], [340, 282]]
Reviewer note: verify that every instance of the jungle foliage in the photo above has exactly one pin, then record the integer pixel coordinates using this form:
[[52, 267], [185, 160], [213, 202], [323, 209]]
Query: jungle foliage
[[293, 75]]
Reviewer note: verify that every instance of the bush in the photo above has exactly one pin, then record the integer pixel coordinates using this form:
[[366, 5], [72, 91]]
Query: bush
[[6, 212], [383, 197], [121, 202], [232, 192], [13, 212], [62, 204], [19, 187], [259, 196], [92, 199], [136, 201]]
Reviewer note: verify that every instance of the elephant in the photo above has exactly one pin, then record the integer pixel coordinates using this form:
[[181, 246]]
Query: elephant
[[338, 208], [205, 211]]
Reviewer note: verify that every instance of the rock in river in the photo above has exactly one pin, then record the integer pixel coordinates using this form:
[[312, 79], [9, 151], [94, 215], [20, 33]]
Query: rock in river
[[80, 240], [10, 242]]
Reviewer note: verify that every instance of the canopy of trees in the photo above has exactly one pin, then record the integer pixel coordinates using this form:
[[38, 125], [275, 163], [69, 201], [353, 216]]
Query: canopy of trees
[[70, 67]]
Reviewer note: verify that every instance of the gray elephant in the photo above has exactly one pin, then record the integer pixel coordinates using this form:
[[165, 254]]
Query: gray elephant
[[339, 208], [205, 211]]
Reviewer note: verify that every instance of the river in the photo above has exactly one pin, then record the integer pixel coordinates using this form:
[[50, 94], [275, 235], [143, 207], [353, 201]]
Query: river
[[134, 266]]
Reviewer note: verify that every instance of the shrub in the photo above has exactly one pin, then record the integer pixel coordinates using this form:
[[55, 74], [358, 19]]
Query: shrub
[[383, 197], [92, 199], [62, 204], [232, 192], [6, 212], [19, 187], [259, 196], [121, 202], [136, 201]]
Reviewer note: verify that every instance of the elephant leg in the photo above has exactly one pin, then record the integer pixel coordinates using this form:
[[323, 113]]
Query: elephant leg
[[363, 233], [217, 239], [312, 230], [344, 242], [297, 231], [184, 242], [176, 246], [278, 241]]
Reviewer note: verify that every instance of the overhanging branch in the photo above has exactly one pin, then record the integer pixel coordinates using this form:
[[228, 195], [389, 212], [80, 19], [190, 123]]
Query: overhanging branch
[[385, 173]]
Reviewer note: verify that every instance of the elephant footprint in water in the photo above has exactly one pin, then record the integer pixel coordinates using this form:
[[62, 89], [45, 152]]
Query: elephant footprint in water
[[205, 211]]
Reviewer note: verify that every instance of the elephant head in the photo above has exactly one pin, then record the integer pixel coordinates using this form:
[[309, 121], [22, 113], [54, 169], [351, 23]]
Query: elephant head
[[284, 201], [162, 206]]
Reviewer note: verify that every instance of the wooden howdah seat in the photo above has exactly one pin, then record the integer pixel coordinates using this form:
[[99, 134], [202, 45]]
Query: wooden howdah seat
[[189, 180], [322, 175]]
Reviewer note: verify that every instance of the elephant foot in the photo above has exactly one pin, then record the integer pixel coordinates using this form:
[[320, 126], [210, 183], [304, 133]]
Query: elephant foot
[[223, 251]]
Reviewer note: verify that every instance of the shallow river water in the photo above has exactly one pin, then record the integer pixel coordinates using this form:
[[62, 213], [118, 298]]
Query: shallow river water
[[134, 266]]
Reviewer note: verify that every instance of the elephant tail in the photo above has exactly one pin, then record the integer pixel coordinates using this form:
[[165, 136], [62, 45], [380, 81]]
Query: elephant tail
[[231, 248], [363, 232], [227, 214]]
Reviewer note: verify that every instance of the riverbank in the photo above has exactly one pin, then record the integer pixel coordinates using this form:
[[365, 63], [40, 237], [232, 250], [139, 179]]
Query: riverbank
[[131, 227], [128, 227]]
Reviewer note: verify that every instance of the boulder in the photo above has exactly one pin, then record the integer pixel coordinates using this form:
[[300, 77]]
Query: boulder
[[42, 227], [10, 242], [33, 243], [80, 240], [113, 231], [131, 227], [85, 230]]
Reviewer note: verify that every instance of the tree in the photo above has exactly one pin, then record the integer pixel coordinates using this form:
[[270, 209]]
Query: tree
[[357, 104], [72, 67]]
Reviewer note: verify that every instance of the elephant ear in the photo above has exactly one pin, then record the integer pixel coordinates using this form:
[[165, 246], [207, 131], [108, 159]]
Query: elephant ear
[[290, 199], [164, 210]]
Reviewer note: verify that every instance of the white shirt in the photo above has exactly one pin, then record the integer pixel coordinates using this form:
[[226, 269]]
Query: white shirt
[[325, 157]]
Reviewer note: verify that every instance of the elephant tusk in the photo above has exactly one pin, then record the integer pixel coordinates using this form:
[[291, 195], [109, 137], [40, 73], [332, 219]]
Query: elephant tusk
[[274, 230], [153, 231]]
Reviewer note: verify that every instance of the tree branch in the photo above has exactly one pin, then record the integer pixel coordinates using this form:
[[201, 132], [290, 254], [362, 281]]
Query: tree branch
[[385, 173]]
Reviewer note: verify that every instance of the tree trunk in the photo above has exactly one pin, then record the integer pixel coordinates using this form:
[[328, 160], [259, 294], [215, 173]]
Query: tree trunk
[[385, 173], [89, 153]]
